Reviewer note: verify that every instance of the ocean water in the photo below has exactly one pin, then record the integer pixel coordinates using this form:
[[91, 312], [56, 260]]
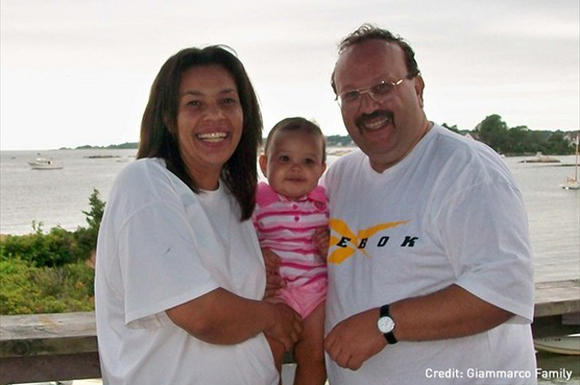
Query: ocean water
[[58, 197], [54, 197]]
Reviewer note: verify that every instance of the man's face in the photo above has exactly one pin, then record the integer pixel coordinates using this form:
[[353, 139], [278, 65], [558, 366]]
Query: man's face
[[385, 128]]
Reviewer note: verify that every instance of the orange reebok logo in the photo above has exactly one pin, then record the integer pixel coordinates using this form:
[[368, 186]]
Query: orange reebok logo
[[350, 242]]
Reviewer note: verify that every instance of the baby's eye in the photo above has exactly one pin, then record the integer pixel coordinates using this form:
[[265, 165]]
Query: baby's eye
[[283, 158], [309, 161]]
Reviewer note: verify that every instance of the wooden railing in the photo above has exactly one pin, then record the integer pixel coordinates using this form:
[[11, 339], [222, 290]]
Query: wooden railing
[[51, 347]]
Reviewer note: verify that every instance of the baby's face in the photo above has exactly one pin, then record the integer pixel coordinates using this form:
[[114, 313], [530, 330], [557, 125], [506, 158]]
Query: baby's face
[[294, 163]]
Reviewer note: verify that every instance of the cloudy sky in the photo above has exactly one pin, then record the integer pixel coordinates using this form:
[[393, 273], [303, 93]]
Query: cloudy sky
[[78, 72]]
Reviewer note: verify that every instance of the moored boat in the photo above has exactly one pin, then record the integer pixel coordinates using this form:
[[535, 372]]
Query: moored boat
[[572, 182], [44, 164], [541, 158], [569, 345]]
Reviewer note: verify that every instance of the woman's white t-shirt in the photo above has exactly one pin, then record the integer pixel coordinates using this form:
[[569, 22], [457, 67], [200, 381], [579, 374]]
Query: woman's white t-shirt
[[161, 245]]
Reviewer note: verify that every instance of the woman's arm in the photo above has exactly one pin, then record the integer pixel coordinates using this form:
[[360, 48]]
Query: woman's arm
[[221, 317], [274, 282]]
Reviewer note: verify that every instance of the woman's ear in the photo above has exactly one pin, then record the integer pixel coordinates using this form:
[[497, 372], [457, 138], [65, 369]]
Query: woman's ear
[[167, 123]]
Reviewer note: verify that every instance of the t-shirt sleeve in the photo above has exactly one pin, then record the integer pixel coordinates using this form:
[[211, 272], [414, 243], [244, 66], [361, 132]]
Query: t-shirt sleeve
[[160, 263], [486, 235]]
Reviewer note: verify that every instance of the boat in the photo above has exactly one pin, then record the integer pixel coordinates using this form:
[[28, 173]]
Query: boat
[[541, 158], [572, 182], [101, 156], [569, 345], [44, 164]]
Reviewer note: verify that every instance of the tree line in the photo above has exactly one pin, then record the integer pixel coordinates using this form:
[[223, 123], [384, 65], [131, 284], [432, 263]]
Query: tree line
[[520, 140], [492, 130]]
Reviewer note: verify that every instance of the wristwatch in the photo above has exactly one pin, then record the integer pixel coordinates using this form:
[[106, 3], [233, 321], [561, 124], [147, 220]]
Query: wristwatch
[[387, 325]]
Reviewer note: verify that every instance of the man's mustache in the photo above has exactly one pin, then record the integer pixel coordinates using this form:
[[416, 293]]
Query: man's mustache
[[362, 119]]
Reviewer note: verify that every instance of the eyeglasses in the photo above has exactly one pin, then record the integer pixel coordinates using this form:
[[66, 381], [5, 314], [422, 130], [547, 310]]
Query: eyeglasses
[[378, 93]]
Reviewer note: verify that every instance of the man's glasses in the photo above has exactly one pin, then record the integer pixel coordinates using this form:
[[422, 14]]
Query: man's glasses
[[378, 93]]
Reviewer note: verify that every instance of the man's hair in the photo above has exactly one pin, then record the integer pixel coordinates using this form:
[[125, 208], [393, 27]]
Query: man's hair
[[371, 32], [159, 137], [297, 124]]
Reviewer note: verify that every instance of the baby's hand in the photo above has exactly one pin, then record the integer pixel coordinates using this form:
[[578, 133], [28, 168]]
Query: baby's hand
[[273, 280], [321, 240]]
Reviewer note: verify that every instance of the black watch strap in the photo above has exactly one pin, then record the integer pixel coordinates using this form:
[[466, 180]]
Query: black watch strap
[[390, 337]]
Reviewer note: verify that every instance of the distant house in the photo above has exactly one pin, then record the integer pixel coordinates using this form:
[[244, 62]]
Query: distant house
[[571, 136]]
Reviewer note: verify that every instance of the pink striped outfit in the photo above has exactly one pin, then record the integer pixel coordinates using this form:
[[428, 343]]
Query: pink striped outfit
[[286, 227]]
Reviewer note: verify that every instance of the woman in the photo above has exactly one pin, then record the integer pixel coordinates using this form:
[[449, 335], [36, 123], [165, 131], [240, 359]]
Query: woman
[[179, 275]]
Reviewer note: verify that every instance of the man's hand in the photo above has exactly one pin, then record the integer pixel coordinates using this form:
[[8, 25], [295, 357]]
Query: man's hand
[[273, 280], [353, 341], [286, 326]]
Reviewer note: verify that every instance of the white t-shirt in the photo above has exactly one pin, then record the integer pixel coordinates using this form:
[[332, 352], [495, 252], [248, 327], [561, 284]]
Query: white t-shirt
[[161, 245], [448, 213]]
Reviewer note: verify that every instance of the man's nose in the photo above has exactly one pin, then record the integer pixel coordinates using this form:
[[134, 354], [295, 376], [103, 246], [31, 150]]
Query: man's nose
[[367, 103]]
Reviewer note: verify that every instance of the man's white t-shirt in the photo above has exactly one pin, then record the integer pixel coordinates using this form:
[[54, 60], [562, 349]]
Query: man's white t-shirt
[[161, 245], [448, 213]]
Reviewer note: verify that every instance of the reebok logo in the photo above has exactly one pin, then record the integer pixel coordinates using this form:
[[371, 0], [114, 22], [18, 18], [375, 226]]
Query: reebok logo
[[346, 242]]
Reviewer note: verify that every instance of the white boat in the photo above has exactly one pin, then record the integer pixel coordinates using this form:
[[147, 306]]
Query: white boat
[[541, 158], [44, 164], [569, 345], [572, 182]]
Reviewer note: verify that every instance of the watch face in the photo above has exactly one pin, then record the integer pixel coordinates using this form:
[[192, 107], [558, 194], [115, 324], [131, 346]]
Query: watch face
[[386, 324]]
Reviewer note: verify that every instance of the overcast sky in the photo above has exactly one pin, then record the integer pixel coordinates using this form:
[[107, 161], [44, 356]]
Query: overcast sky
[[78, 72]]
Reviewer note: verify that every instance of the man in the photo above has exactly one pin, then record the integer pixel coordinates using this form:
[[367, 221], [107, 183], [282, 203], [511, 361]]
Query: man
[[430, 273]]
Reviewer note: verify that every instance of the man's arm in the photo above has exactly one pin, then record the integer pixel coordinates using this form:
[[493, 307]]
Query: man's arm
[[220, 317], [449, 313]]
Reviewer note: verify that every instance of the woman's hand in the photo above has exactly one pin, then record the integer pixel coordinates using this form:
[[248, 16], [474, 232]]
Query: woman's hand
[[286, 326], [274, 281]]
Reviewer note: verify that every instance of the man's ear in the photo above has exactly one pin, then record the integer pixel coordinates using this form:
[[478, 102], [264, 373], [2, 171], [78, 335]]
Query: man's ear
[[419, 87], [263, 160]]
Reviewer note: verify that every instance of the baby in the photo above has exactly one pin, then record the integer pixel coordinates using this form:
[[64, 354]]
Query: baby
[[288, 211]]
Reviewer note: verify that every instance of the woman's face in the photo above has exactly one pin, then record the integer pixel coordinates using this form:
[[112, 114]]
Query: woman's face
[[209, 122]]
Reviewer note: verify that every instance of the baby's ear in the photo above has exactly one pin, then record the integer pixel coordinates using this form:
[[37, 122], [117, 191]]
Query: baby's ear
[[263, 160], [323, 168]]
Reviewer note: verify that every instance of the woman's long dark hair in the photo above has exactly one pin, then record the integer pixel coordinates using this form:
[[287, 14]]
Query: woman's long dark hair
[[159, 124]]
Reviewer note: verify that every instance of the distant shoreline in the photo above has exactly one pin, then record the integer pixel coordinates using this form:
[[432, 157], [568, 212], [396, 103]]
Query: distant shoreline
[[337, 150], [122, 146]]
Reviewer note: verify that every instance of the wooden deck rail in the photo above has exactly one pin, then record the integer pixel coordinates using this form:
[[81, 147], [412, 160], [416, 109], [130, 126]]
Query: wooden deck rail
[[50, 347]]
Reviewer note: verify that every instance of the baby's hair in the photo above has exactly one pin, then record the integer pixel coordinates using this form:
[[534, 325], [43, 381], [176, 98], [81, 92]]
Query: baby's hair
[[297, 124]]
